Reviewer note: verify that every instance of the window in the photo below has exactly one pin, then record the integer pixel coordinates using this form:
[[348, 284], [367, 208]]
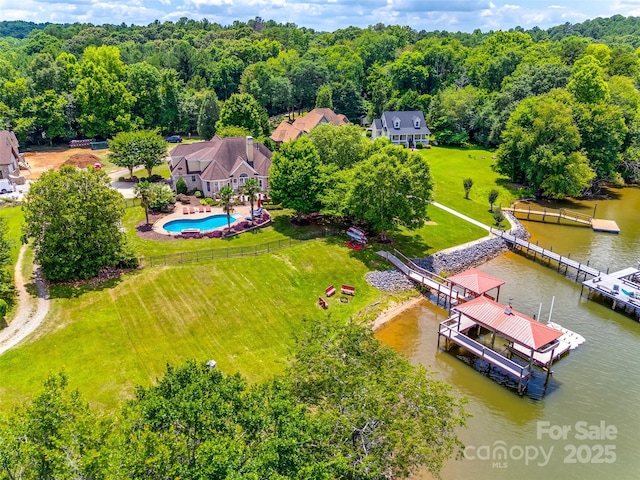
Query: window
[[243, 178], [403, 137], [235, 180], [208, 186], [416, 122], [260, 183], [394, 138], [396, 122], [193, 178]]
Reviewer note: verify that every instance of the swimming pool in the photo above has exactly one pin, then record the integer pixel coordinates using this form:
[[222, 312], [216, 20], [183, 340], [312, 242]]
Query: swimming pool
[[203, 224]]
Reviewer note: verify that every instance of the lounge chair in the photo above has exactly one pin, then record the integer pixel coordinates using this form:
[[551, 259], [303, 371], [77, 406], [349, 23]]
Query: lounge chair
[[323, 303], [331, 290], [348, 290], [257, 212], [207, 208], [185, 210], [192, 210], [201, 208]]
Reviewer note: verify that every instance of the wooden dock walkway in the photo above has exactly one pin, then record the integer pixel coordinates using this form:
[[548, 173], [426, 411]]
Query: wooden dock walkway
[[448, 330], [598, 225], [438, 285], [549, 255]]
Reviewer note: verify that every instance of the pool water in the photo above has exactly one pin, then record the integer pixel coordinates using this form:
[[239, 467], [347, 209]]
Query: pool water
[[203, 224]]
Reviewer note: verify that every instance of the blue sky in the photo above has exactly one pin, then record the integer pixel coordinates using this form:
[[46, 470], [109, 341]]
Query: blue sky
[[327, 15]]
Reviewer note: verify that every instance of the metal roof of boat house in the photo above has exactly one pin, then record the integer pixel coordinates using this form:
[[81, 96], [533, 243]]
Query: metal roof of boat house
[[508, 323], [476, 281]]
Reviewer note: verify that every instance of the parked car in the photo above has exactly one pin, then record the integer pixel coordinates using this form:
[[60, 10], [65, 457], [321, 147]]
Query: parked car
[[6, 186], [174, 139]]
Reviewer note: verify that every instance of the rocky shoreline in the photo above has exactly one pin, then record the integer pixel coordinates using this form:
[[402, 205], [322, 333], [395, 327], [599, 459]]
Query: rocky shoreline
[[451, 261]]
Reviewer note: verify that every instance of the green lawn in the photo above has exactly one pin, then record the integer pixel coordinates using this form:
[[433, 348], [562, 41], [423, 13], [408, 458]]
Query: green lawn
[[242, 312], [13, 220], [450, 166]]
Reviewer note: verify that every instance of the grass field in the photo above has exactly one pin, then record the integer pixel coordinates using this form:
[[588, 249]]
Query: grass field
[[450, 166], [242, 312]]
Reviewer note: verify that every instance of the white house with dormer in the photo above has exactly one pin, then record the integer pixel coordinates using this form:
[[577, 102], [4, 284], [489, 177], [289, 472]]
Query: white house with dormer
[[402, 128]]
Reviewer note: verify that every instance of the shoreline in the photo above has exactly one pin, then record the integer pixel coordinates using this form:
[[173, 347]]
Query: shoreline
[[393, 311], [459, 256]]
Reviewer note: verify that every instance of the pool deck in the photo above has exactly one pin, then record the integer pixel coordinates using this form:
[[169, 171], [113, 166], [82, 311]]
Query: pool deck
[[158, 226]]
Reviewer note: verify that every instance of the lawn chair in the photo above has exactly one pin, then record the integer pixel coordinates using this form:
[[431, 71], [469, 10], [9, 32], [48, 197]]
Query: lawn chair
[[348, 290], [323, 303], [329, 291]]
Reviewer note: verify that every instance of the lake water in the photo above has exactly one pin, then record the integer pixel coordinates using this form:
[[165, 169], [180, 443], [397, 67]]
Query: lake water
[[587, 426]]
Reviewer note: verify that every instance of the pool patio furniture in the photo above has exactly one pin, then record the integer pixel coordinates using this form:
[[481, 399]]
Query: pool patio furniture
[[323, 303], [207, 208], [192, 210], [185, 210], [348, 290], [331, 290]]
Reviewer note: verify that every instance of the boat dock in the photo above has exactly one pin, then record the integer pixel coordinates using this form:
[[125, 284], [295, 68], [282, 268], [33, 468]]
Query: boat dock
[[622, 287], [534, 342], [453, 290], [442, 288], [597, 224], [547, 255]]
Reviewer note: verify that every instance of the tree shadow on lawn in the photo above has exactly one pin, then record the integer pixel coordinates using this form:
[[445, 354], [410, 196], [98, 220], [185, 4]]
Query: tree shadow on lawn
[[59, 290]]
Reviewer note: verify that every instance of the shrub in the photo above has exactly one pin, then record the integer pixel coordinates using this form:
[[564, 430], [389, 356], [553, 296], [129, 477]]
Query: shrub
[[122, 179], [155, 178], [3, 308], [368, 134], [181, 186], [197, 194], [214, 234], [419, 145], [160, 196]]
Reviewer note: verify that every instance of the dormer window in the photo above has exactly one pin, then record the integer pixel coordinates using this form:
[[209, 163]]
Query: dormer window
[[416, 122], [396, 122]]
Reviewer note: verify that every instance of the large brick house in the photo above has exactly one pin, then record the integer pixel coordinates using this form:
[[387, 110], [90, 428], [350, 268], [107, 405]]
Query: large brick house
[[402, 128], [209, 166], [290, 131]]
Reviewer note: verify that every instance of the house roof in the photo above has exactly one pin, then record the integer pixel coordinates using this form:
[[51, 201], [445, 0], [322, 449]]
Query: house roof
[[476, 281], [8, 145], [290, 131], [285, 132], [407, 124], [510, 324], [377, 124], [223, 157]]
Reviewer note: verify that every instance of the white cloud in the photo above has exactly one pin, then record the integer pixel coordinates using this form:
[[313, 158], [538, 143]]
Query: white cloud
[[455, 15]]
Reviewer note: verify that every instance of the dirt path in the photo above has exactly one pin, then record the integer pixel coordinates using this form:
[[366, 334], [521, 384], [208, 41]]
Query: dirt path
[[29, 315]]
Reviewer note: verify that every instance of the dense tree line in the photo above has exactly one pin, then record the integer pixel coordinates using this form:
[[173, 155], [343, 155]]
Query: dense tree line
[[67, 81], [347, 407]]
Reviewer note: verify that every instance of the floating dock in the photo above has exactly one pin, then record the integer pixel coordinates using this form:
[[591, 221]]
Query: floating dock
[[622, 287], [597, 224]]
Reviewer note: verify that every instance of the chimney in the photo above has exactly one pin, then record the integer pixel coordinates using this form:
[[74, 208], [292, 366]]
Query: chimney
[[250, 150]]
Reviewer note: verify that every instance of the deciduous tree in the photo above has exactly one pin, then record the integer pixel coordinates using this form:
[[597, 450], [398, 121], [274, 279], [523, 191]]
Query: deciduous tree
[[295, 178], [241, 110], [144, 147], [73, 217], [209, 115], [390, 189]]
